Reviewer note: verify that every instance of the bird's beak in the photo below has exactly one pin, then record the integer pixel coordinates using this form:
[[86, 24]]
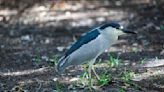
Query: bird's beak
[[128, 31]]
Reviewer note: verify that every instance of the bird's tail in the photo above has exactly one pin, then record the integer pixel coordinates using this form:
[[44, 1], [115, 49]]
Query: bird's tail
[[61, 66]]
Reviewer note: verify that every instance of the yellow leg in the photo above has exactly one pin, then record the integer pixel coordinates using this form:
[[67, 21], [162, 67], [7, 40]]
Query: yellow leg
[[92, 68], [95, 73], [90, 75], [89, 71], [90, 78]]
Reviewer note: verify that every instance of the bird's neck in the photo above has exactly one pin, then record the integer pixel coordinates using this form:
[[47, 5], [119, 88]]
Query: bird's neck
[[109, 33]]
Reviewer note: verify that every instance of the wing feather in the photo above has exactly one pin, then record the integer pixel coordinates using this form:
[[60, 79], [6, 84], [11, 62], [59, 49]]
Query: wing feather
[[83, 40]]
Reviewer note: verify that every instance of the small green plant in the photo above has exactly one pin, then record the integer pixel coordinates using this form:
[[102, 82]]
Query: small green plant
[[127, 75], [113, 62], [104, 79], [162, 27], [37, 59], [58, 86], [86, 80], [121, 90], [83, 77], [54, 60], [142, 61]]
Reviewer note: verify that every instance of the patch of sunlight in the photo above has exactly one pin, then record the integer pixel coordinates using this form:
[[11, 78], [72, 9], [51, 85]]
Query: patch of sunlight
[[74, 79], [146, 75], [7, 12], [25, 72], [154, 63], [90, 14], [55, 79]]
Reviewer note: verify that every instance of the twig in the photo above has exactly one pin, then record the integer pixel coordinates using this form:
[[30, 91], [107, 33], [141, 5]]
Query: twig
[[40, 85]]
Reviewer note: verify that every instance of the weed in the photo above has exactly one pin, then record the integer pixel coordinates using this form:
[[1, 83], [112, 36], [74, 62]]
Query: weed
[[54, 60], [113, 62], [127, 75], [83, 77], [121, 90], [161, 27], [58, 86], [142, 61], [86, 80], [37, 59], [104, 79]]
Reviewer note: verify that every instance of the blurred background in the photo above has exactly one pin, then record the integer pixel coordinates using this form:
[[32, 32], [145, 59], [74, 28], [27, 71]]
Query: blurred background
[[35, 33]]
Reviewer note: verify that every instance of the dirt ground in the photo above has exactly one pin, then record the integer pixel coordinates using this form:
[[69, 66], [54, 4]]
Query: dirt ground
[[30, 41]]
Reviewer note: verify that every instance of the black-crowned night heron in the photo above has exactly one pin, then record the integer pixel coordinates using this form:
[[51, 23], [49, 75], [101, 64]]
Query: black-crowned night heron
[[91, 45]]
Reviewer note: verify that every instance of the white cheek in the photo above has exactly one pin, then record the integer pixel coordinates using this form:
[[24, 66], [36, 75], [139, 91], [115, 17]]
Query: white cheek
[[118, 32]]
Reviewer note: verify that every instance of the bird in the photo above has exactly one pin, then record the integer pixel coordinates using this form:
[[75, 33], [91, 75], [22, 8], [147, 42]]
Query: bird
[[91, 45]]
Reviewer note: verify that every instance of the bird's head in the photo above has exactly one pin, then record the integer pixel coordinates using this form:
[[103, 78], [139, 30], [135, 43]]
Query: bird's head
[[115, 28]]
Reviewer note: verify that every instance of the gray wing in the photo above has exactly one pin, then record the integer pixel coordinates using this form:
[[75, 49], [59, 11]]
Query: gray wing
[[83, 40]]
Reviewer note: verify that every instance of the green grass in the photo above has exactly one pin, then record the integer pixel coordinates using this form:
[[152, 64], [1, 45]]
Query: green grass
[[83, 77], [162, 27], [104, 79], [86, 81], [58, 86], [142, 61], [121, 90], [54, 60], [127, 75], [37, 59], [112, 62]]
